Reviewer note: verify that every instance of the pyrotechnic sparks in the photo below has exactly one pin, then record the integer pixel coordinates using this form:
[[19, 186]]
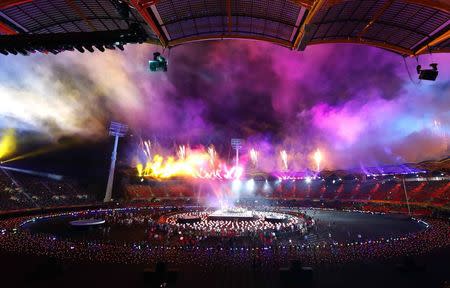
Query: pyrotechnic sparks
[[318, 159], [212, 155], [146, 147], [254, 157], [284, 159], [196, 163], [441, 133], [181, 152]]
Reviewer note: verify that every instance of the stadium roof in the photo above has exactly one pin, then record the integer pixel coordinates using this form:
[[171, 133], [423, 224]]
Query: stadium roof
[[407, 27]]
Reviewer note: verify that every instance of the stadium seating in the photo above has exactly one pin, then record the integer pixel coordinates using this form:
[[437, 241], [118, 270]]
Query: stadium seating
[[23, 191], [425, 192]]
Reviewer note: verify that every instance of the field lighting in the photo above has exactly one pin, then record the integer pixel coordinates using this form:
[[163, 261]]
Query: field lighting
[[266, 186], [159, 63], [116, 130], [250, 185], [236, 185], [237, 145]]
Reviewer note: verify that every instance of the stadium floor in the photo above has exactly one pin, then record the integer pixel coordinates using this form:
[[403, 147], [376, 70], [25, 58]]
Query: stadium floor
[[425, 270], [331, 225]]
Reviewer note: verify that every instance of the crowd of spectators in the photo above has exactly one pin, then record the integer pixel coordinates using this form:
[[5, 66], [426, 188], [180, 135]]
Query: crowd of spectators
[[22, 191]]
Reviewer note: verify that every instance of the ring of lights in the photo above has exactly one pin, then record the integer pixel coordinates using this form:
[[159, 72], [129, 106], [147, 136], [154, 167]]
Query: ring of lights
[[215, 224]]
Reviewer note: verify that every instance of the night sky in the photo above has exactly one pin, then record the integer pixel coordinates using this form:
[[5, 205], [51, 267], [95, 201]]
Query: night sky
[[356, 103]]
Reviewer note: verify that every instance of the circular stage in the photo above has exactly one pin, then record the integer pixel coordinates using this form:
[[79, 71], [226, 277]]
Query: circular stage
[[238, 222]]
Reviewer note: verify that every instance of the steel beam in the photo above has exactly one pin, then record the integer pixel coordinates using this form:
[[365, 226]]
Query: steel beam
[[6, 30], [198, 38], [80, 13], [311, 13], [375, 17], [433, 42], [358, 40], [443, 5], [230, 19], [4, 4], [143, 8]]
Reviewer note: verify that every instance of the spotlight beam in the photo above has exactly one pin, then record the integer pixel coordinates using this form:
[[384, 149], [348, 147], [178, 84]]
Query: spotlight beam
[[34, 173], [38, 152]]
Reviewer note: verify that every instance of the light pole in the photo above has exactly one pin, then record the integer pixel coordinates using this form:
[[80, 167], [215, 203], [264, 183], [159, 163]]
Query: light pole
[[117, 130], [406, 196], [236, 143]]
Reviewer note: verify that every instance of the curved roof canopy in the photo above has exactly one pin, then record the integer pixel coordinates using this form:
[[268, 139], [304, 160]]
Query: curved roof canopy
[[407, 27]]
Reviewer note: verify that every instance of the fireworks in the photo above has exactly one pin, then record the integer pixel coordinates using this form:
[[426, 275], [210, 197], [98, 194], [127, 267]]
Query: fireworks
[[147, 148], [318, 159], [254, 157], [205, 163], [284, 159], [441, 133], [181, 152], [196, 163], [212, 155]]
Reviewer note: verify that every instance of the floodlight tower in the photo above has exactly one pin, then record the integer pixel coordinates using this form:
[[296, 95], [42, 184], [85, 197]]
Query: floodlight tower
[[236, 143], [117, 130], [406, 195]]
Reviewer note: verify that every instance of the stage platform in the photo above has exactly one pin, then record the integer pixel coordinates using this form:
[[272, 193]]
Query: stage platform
[[275, 218], [87, 222], [231, 214]]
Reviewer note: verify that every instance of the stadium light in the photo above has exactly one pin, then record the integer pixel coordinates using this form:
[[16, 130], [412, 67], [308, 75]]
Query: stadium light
[[159, 63], [250, 185], [117, 130], [266, 186], [236, 144], [428, 74], [236, 185]]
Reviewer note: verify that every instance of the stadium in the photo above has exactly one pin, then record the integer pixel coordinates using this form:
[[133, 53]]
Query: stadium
[[234, 143]]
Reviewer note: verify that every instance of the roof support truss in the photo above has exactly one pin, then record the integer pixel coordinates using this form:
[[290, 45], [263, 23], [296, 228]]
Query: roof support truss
[[357, 40], [144, 8], [317, 5], [5, 29], [80, 13], [443, 5], [230, 20], [433, 41], [11, 3], [376, 16], [180, 41]]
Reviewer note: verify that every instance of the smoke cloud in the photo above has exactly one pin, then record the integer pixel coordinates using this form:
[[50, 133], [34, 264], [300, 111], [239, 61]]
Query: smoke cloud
[[356, 103]]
